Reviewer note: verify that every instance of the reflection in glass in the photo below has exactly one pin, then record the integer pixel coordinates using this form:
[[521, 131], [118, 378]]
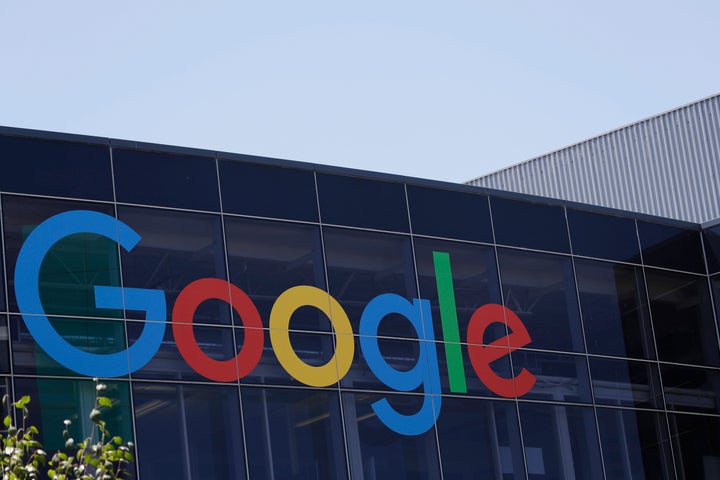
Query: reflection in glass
[[625, 382], [378, 452], [696, 446], [293, 434], [614, 310], [635, 445], [682, 318], [540, 289], [188, 431], [480, 439], [561, 442]]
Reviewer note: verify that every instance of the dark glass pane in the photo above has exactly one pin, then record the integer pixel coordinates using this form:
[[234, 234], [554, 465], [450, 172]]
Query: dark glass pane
[[560, 442], [267, 258], [449, 214], [696, 446], [480, 439], [627, 383], [561, 378], [53, 168], [474, 280], [97, 336], [361, 202], [603, 236], [683, 318], [314, 349], [294, 434], [691, 389], [712, 248], [671, 247], [399, 355], [378, 452], [73, 266], [540, 289], [176, 249], [614, 309], [268, 191], [215, 342], [168, 180], [54, 400], [475, 385], [635, 445], [529, 225], [363, 265], [188, 431], [4, 345]]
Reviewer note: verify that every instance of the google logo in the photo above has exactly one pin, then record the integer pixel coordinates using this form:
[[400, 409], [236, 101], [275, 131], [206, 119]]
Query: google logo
[[425, 373]]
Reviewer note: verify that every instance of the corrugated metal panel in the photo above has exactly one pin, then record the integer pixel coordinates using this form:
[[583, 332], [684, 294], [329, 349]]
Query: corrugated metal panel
[[667, 165]]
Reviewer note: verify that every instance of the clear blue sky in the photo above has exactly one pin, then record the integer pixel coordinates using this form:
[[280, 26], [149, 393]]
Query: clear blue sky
[[444, 90]]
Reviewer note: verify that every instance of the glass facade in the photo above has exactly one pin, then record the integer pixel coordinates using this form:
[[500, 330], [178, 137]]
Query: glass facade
[[326, 324]]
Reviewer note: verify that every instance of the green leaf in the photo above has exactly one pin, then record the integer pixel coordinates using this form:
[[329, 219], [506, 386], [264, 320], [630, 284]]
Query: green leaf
[[7, 421], [105, 402], [25, 399]]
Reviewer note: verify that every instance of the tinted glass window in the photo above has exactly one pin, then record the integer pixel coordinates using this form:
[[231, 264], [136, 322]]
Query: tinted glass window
[[362, 265], [4, 346], [73, 266], [97, 336], [682, 318], [712, 248], [176, 249], [445, 213], [696, 445], [560, 377], [154, 178], [635, 444], [267, 258], [614, 309], [378, 452], [603, 236], [480, 439], [470, 282], [295, 434], [627, 383], [314, 349], [529, 225], [560, 442], [361, 202], [671, 247], [188, 431], [61, 169], [52, 401], [540, 289], [691, 389], [267, 191]]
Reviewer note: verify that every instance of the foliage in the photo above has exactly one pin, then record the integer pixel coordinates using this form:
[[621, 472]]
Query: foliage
[[22, 456]]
